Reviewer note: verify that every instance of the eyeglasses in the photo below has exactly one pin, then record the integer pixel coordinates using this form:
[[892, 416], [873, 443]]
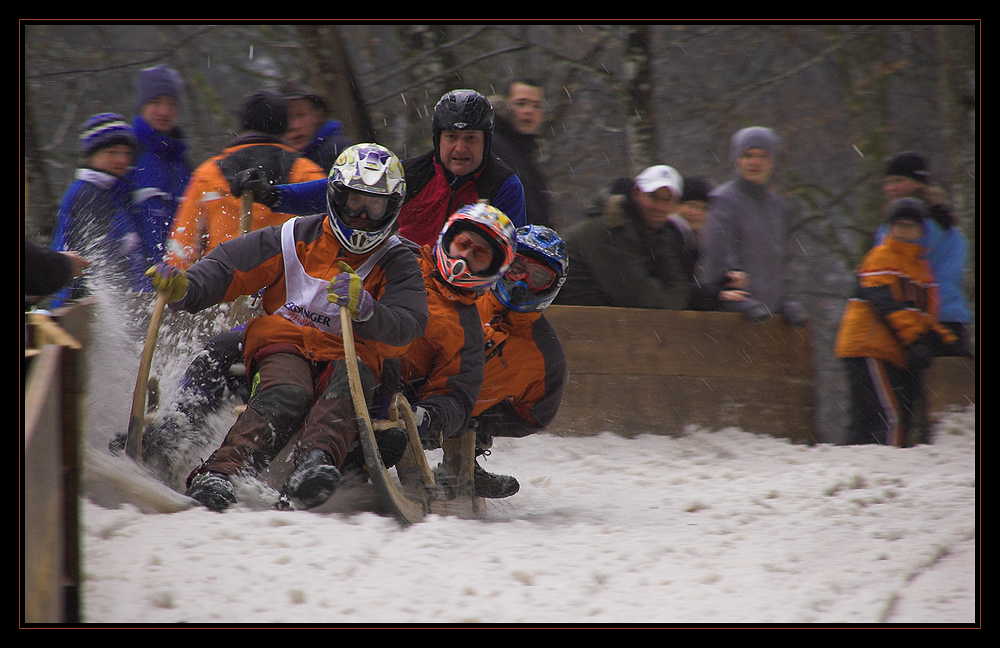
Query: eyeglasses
[[479, 253], [531, 272]]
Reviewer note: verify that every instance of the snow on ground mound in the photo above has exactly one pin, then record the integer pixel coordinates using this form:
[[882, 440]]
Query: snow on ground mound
[[714, 527]]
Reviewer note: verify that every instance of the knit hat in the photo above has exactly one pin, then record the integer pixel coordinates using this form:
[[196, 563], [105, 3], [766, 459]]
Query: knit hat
[[265, 112], [157, 81], [696, 188], [105, 129], [753, 137], [909, 209], [292, 90], [657, 177], [908, 164]]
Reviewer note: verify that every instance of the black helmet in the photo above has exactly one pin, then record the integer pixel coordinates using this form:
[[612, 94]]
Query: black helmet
[[463, 110]]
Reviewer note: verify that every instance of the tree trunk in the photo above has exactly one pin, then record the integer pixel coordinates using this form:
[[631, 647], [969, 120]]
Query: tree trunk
[[638, 83], [331, 74]]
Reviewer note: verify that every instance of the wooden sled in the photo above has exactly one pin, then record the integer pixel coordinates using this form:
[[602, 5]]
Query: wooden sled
[[413, 493]]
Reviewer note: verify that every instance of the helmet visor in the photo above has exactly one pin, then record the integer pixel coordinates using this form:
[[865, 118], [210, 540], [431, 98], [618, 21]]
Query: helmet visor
[[481, 254], [531, 272], [361, 210]]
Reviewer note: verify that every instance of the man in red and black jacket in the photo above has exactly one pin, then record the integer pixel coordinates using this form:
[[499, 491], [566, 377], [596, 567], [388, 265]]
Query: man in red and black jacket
[[460, 170]]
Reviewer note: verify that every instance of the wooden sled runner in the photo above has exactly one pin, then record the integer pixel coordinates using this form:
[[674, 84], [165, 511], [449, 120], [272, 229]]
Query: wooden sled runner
[[413, 493]]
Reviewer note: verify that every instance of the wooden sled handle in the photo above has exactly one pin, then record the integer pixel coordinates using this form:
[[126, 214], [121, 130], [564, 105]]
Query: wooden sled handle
[[240, 310], [408, 506], [246, 212], [353, 373], [137, 420]]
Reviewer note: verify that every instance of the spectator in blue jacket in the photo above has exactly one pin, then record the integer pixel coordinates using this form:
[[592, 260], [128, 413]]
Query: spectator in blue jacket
[[161, 171], [907, 175], [97, 217]]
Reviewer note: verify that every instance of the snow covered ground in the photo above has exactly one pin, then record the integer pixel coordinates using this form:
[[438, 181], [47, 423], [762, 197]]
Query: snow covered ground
[[714, 527]]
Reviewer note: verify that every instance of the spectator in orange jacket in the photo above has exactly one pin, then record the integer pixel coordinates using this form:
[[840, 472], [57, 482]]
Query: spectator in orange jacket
[[210, 213], [889, 331]]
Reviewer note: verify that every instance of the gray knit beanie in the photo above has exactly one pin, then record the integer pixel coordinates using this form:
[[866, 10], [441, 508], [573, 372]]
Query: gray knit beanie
[[750, 138]]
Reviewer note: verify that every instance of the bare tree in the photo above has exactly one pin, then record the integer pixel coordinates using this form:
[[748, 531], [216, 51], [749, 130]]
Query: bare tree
[[330, 68]]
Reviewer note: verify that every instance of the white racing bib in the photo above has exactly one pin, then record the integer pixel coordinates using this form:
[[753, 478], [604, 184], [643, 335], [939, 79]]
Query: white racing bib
[[306, 302]]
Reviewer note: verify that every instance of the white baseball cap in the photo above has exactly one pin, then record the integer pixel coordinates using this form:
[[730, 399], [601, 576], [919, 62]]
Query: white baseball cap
[[656, 177]]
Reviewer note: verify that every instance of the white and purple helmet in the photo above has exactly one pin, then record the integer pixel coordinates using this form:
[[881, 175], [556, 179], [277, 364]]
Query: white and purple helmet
[[375, 172]]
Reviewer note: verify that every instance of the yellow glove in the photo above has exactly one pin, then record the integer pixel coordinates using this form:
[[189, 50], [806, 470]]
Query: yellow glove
[[168, 280], [348, 291]]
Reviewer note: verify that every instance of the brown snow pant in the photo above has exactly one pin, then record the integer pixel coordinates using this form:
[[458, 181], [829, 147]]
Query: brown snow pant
[[291, 393]]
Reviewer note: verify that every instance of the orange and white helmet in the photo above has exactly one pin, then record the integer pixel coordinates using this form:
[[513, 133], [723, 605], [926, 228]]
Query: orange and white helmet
[[492, 225]]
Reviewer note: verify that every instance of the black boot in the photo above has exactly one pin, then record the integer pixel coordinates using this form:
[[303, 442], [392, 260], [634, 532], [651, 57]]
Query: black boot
[[493, 486], [313, 480], [484, 484], [487, 484], [212, 489]]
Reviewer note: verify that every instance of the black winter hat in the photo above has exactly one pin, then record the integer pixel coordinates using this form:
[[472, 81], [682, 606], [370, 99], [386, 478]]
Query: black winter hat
[[908, 164], [696, 188], [909, 209], [265, 112]]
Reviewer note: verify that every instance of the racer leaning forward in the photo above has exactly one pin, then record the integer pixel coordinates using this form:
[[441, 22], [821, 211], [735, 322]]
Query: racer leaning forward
[[525, 372], [309, 268], [442, 371]]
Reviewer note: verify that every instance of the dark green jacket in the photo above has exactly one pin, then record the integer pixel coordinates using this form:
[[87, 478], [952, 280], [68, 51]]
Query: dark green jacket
[[617, 261]]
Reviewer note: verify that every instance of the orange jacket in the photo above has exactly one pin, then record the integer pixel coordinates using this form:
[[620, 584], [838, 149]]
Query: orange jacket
[[525, 371], [445, 366], [895, 306], [254, 262], [209, 214]]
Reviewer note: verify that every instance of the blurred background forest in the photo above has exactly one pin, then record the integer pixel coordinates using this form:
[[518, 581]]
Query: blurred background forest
[[620, 97]]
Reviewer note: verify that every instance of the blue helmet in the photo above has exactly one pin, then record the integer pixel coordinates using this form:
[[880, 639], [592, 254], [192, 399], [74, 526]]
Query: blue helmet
[[376, 174], [516, 290]]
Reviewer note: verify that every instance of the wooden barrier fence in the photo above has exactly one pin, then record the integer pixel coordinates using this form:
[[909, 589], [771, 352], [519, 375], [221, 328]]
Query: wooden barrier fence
[[635, 371], [53, 379]]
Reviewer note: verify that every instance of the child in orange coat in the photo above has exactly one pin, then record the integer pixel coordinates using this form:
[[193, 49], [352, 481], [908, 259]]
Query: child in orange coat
[[889, 332]]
